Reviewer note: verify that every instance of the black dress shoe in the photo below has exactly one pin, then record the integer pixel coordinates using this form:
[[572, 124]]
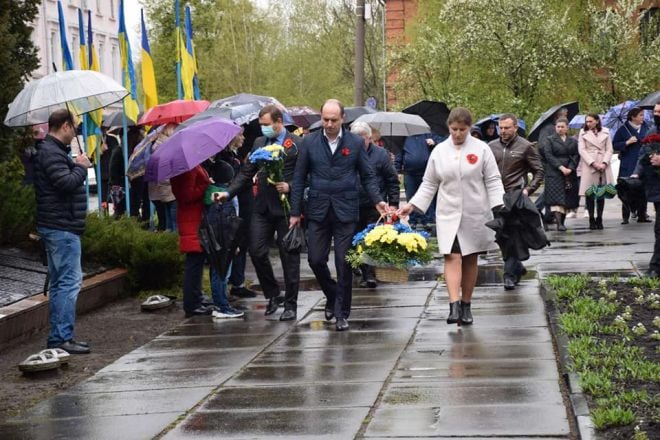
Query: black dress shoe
[[242, 292], [271, 307], [625, 222], [509, 284], [466, 314], [288, 315], [329, 312], [73, 348], [454, 312], [644, 219], [371, 283], [342, 324], [83, 343]]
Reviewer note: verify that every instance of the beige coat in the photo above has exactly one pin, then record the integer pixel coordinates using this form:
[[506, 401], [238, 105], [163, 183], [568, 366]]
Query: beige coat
[[594, 148], [160, 191], [466, 194]]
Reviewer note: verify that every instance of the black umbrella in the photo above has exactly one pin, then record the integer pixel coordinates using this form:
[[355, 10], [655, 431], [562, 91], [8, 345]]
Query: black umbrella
[[304, 116], [650, 100], [435, 113], [115, 119], [573, 108], [218, 235]]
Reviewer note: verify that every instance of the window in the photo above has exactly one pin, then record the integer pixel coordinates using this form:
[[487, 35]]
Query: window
[[112, 8], [98, 7], [54, 42], [101, 58], [115, 62], [74, 49], [649, 25]]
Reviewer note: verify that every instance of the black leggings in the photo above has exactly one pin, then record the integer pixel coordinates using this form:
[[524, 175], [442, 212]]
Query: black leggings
[[600, 205]]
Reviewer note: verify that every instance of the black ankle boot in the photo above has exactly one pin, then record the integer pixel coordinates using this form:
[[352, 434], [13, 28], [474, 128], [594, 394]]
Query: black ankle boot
[[454, 312], [592, 223], [560, 221], [599, 222], [466, 314]]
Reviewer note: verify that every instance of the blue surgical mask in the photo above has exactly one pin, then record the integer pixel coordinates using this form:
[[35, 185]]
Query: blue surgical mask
[[268, 131]]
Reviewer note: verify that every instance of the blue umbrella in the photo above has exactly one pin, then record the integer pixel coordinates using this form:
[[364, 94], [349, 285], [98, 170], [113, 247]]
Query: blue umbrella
[[616, 116], [577, 121]]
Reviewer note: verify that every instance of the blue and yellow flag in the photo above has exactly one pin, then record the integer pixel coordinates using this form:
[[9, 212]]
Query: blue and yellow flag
[[89, 61], [148, 75], [190, 49], [67, 61], [127, 72], [185, 59], [177, 37]]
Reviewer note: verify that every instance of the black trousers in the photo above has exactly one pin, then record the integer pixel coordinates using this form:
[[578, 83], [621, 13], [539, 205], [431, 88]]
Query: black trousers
[[192, 280], [338, 292], [262, 229], [654, 264]]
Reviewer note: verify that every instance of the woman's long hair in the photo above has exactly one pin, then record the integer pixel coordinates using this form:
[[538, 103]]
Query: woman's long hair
[[596, 116]]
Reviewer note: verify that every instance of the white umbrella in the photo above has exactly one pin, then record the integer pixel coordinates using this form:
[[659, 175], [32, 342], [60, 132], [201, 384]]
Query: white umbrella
[[79, 90], [396, 123]]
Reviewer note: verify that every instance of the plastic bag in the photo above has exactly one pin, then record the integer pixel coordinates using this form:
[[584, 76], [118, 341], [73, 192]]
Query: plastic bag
[[294, 240]]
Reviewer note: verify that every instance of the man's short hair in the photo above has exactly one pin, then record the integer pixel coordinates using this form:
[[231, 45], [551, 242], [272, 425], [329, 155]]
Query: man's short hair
[[460, 115], [561, 120], [272, 110], [57, 119], [361, 128], [510, 116], [336, 102]]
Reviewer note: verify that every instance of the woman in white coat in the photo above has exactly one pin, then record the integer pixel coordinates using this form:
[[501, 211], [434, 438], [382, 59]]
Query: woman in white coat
[[463, 171], [595, 148]]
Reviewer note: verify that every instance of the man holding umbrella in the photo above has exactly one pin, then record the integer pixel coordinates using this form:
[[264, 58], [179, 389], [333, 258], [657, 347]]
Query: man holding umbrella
[[269, 216], [516, 157], [61, 212]]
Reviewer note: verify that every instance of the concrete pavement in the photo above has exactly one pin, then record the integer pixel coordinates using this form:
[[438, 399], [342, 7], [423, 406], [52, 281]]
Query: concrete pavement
[[400, 371]]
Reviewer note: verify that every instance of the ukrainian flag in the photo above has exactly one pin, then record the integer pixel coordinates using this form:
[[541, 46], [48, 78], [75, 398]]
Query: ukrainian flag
[[190, 49], [148, 75], [128, 74], [185, 61], [67, 61], [92, 120]]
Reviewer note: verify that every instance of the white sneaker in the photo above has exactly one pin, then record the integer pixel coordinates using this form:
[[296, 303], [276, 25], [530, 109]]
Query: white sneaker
[[227, 313]]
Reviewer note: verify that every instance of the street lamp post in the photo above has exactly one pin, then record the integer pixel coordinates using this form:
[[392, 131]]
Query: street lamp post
[[358, 92]]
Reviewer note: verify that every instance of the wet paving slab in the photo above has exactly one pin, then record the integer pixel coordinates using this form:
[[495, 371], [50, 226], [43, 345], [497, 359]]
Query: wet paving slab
[[400, 324], [476, 420], [68, 405], [319, 339], [477, 335], [335, 395], [181, 361], [208, 342], [129, 427], [435, 395], [328, 355], [325, 423], [478, 352], [410, 312], [456, 370]]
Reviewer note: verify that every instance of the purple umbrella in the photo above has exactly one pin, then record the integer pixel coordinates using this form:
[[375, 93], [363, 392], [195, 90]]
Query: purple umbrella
[[189, 147]]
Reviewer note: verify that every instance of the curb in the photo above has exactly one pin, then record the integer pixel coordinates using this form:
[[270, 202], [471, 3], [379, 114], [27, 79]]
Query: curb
[[579, 405], [31, 314]]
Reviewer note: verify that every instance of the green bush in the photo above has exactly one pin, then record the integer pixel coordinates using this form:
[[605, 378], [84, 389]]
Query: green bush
[[17, 203], [152, 259]]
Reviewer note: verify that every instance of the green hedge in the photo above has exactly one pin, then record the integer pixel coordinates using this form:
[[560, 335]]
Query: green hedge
[[17, 203], [152, 259]]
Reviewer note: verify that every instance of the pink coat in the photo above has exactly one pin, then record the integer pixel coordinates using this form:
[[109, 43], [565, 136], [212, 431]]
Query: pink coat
[[594, 148]]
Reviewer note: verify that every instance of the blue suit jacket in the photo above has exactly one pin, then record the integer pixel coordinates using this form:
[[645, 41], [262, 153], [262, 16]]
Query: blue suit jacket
[[333, 179]]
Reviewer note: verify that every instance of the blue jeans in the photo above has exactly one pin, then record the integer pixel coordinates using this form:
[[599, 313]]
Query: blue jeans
[[237, 277], [170, 216], [65, 274], [411, 183], [219, 287]]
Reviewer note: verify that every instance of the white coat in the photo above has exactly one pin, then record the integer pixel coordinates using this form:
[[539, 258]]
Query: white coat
[[469, 185]]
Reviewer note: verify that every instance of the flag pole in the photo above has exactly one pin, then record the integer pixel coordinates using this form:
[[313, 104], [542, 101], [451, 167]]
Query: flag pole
[[177, 21]]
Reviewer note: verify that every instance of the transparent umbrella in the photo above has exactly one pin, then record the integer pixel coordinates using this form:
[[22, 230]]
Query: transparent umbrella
[[81, 91]]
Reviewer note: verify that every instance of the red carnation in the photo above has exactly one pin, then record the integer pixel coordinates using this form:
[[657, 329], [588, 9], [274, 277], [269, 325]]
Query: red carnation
[[345, 151], [472, 158], [288, 143], [652, 139]]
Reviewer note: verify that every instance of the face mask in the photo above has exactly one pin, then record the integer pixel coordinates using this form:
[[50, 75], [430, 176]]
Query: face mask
[[268, 131], [656, 119]]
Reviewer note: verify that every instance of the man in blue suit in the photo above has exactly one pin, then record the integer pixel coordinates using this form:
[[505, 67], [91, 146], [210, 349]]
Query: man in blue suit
[[333, 162]]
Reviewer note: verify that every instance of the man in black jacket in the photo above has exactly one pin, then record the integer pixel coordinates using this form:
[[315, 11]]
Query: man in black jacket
[[61, 211], [388, 184], [269, 216]]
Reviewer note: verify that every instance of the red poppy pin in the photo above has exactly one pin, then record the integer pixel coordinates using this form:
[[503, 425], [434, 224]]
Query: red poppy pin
[[345, 151], [288, 143], [472, 158]]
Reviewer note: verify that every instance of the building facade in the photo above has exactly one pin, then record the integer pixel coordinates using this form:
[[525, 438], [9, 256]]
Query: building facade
[[46, 34]]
